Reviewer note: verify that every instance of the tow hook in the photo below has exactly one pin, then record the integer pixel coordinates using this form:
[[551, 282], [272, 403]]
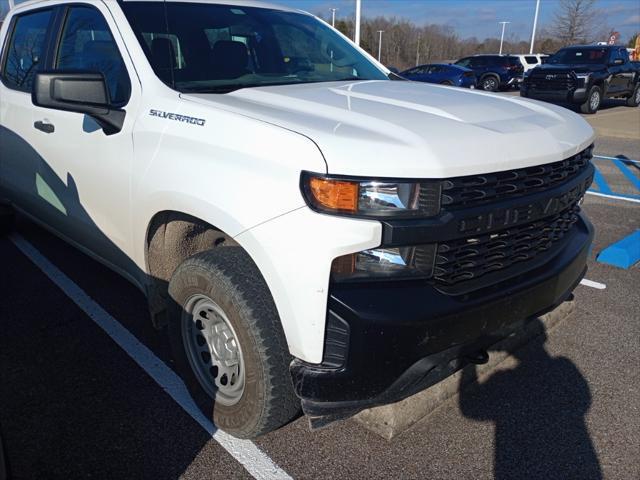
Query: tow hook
[[479, 358]]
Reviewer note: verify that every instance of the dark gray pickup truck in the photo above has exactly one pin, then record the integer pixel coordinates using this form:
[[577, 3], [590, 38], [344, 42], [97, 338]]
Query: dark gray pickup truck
[[584, 76]]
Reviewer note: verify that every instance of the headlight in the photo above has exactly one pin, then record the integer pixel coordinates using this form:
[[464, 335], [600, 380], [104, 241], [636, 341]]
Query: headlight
[[371, 198], [584, 77], [386, 263]]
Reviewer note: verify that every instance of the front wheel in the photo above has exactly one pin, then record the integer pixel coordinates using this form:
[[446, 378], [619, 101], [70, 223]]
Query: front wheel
[[592, 103], [634, 99], [228, 343], [490, 84]]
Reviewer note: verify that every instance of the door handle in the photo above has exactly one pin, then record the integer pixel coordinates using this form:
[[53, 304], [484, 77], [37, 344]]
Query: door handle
[[44, 127]]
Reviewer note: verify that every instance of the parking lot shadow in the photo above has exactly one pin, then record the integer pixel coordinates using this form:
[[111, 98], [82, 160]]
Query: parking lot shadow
[[539, 410], [65, 412]]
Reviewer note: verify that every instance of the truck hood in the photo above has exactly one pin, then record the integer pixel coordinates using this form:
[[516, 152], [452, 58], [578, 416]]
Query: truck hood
[[410, 129]]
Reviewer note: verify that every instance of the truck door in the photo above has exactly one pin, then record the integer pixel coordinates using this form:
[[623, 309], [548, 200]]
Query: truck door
[[626, 71], [25, 51], [87, 171], [618, 82]]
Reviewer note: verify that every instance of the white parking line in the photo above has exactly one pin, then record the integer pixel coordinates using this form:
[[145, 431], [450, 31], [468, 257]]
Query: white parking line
[[615, 197], [592, 284], [245, 452]]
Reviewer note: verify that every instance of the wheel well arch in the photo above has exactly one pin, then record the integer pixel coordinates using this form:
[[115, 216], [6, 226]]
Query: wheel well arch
[[172, 237], [490, 74]]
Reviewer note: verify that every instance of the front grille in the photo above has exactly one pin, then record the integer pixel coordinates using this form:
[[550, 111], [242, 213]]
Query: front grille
[[466, 259], [476, 190], [546, 81]]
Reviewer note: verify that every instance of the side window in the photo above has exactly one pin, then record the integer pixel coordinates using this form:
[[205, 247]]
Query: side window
[[465, 62], [531, 60], [26, 49], [87, 44], [478, 62], [622, 54]]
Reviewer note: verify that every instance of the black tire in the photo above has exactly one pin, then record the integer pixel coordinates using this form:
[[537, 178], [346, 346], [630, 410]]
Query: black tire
[[7, 219], [447, 83], [230, 278], [592, 104], [490, 83], [634, 99]]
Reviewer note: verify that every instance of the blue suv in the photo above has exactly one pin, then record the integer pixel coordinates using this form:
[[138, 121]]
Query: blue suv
[[442, 74], [495, 72]]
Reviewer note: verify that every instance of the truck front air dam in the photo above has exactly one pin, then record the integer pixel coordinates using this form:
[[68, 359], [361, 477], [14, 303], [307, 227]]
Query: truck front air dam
[[387, 341]]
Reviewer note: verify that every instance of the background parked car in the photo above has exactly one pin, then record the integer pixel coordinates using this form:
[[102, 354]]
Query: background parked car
[[494, 72], [584, 75], [442, 74], [532, 61]]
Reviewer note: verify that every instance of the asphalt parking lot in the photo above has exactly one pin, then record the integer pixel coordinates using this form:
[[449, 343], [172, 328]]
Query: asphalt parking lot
[[75, 404]]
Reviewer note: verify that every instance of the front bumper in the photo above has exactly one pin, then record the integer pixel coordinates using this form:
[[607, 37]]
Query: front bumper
[[387, 341], [515, 81], [578, 95]]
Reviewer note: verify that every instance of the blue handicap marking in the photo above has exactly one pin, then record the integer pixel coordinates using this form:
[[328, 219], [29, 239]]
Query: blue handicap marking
[[622, 164], [623, 253], [627, 173], [602, 183]]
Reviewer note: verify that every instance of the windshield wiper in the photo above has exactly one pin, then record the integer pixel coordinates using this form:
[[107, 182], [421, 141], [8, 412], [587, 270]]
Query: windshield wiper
[[216, 89], [233, 88]]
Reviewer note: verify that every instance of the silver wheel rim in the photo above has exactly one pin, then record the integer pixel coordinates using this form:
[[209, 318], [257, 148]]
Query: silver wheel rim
[[213, 350], [489, 84], [594, 102], [637, 94]]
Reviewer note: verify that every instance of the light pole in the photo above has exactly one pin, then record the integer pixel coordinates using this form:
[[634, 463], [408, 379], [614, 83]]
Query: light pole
[[380, 32], [356, 36], [333, 17], [535, 24], [504, 24]]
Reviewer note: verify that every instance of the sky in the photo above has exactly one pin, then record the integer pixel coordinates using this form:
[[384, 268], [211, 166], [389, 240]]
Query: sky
[[477, 18]]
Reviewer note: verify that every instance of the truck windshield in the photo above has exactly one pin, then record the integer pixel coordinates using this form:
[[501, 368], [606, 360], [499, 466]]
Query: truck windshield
[[580, 56], [214, 48]]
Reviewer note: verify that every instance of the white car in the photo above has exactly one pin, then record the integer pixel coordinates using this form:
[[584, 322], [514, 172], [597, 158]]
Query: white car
[[531, 61], [311, 233]]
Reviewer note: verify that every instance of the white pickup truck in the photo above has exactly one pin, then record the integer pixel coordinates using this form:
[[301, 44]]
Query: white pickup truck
[[314, 232]]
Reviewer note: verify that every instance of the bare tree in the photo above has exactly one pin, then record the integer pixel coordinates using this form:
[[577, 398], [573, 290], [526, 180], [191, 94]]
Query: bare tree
[[576, 21], [406, 43]]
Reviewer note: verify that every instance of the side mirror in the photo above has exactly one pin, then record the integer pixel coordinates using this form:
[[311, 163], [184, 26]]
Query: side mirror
[[80, 92]]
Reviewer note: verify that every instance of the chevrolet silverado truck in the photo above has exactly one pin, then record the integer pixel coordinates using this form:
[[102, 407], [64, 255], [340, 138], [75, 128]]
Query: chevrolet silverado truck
[[584, 76], [313, 233]]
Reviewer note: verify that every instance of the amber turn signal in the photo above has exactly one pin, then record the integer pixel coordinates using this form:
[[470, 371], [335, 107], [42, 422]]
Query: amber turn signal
[[334, 194]]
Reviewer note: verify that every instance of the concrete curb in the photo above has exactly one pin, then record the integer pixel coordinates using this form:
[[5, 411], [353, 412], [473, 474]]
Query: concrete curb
[[389, 421]]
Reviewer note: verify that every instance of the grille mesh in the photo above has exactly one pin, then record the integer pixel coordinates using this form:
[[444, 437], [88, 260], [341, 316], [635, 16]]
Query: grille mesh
[[479, 189], [466, 259], [548, 81]]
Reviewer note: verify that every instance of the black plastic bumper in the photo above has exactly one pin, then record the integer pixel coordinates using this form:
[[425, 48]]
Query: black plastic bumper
[[560, 96], [387, 341]]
